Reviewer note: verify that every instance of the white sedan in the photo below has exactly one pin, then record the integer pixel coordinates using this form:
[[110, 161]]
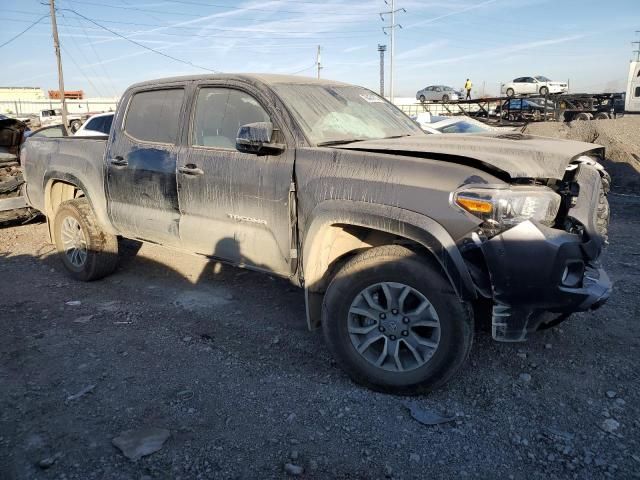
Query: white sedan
[[96, 126], [533, 86], [438, 124]]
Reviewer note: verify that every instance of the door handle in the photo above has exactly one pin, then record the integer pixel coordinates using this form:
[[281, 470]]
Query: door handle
[[118, 162], [190, 169]]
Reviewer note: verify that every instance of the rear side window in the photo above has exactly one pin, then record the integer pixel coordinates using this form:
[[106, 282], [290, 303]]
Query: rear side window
[[153, 116], [220, 112], [95, 124], [637, 91]]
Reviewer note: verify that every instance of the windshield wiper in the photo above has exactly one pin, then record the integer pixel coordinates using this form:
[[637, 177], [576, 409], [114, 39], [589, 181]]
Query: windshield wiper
[[339, 142]]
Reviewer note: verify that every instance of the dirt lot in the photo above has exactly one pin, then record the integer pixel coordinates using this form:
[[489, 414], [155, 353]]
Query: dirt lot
[[221, 358]]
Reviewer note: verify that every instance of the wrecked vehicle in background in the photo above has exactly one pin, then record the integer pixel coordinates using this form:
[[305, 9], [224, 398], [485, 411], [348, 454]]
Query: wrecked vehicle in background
[[400, 239], [12, 205]]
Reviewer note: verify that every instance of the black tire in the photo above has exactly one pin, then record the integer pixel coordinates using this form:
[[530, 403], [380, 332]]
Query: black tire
[[445, 98], [395, 263], [601, 116], [101, 247], [510, 92], [544, 91], [74, 126], [422, 99], [582, 116]]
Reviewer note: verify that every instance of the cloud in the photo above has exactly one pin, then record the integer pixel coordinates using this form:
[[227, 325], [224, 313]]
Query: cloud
[[355, 48], [497, 52], [450, 14], [422, 50]]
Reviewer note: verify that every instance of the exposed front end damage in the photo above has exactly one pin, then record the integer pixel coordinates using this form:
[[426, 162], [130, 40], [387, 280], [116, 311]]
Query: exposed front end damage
[[537, 275]]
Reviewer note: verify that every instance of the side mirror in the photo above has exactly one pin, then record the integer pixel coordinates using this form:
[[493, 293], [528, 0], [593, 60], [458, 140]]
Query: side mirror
[[256, 138]]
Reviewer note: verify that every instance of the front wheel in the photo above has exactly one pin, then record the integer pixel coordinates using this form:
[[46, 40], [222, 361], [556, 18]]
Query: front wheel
[[394, 323], [445, 98], [544, 91], [87, 252]]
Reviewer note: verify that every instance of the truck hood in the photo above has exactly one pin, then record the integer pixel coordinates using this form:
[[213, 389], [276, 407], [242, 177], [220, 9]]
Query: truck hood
[[513, 154]]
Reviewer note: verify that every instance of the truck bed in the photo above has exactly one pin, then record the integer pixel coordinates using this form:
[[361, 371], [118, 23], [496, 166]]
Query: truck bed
[[78, 158]]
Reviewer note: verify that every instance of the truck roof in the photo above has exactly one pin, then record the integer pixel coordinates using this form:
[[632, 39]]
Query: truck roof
[[264, 78]]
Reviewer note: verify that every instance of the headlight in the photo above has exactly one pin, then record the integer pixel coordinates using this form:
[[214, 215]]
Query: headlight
[[501, 209]]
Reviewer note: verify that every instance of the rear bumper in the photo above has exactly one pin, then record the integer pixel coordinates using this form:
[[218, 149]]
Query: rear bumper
[[537, 275]]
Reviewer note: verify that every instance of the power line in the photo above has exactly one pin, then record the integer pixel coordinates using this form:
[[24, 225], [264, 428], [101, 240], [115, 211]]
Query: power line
[[107, 88], [194, 15], [68, 54], [186, 62], [305, 69], [24, 31], [245, 30], [212, 5]]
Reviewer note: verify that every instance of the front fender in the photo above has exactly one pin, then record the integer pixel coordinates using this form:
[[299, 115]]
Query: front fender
[[384, 218]]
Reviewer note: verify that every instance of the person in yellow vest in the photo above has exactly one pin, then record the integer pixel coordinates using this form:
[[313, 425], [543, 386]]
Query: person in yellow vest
[[468, 86]]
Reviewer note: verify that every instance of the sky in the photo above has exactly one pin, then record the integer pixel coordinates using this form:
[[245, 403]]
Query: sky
[[587, 42]]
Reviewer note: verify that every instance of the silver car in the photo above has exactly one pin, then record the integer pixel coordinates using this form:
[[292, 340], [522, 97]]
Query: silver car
[[437, 93]]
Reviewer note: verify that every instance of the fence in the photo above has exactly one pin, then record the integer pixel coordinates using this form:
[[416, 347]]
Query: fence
[[22, 107]]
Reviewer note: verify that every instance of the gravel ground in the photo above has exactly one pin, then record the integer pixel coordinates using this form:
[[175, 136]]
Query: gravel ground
[[220, 358], [620, 137]]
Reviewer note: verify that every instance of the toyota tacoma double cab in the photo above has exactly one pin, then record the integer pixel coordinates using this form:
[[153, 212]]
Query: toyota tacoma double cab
[[400, 239]]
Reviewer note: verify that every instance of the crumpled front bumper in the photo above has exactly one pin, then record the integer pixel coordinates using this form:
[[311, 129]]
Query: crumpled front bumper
[[538, 274]]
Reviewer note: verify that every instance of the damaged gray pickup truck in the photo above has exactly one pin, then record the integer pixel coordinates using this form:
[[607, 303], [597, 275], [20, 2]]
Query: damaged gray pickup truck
[[400, 239]]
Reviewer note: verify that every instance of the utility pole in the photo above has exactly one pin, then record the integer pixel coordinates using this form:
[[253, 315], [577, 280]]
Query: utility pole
[[56, 46], [382, 49], [392, 28], [318, 64]]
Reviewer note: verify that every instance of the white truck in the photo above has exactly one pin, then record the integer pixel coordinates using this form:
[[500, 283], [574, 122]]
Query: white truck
[[632, 97], [54, 117]]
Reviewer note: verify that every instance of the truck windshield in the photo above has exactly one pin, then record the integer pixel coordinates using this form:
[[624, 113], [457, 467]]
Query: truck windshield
[[339, 114]]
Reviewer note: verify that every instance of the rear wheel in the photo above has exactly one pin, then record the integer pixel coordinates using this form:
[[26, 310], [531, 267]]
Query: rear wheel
[[582, 116], [510, 92], [445, 98], [87, 252], [544, 91], [394, 323], [422, 99]]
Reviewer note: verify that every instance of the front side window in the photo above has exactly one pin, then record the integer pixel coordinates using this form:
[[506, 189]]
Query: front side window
[[154, 116], [637, 92], [220, 112]]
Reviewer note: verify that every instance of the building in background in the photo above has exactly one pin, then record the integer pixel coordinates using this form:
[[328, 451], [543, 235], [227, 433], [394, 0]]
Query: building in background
[[9, 94], [68, 94]]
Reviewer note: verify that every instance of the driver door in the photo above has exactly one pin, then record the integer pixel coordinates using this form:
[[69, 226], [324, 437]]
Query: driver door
[[234, 206]]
